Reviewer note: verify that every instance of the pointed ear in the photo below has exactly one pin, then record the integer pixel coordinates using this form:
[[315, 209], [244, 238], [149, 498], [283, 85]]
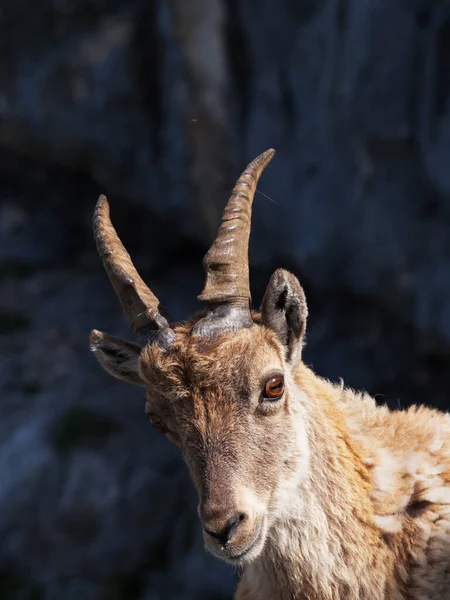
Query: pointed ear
[[118, 357], [284, 310]]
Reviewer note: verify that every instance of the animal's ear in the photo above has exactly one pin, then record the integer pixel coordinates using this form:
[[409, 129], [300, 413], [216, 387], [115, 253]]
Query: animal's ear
[[118, 357], [284, 310]]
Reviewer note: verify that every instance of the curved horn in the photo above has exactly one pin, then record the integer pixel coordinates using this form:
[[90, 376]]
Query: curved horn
[[140, 305], [227, 287]]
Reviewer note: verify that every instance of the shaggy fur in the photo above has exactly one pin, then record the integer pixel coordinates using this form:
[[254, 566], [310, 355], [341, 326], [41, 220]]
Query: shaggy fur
[[351, 500], [312, 489]]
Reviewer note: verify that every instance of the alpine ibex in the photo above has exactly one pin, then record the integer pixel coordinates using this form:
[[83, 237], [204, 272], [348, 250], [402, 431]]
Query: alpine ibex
[[313, 489]]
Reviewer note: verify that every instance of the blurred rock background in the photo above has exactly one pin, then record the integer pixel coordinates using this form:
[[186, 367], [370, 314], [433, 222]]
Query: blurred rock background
[[160, 104]]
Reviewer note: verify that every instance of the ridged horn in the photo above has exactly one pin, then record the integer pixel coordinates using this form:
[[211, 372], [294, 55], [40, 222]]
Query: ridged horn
[[141, 307], [227, 287]]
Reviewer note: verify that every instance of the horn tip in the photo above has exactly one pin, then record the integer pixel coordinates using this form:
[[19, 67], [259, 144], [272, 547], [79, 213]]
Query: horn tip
[[261, 161], [270, 153], [101, 210], [102, 203], [266, 157]]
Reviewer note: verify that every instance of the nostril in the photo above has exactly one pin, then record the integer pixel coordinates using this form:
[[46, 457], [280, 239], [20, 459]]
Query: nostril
[[225, 534]]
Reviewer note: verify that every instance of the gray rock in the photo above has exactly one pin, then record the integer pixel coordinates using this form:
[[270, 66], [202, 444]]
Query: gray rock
[[351, 94]]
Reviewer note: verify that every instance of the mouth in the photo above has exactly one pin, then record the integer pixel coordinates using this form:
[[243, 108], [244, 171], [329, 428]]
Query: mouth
[[240, 555]]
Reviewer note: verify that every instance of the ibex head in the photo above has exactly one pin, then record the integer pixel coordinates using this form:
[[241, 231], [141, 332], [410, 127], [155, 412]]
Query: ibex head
[[221, 386]]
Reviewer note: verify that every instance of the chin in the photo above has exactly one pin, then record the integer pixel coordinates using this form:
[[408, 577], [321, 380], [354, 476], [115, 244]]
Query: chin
[[242, 554]]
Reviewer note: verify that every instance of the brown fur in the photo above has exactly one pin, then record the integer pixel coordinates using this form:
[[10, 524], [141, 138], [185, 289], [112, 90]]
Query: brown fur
[[354, 499], [317, 493]]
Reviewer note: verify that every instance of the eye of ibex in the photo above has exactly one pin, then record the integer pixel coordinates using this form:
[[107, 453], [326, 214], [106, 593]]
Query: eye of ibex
[[274, 387]]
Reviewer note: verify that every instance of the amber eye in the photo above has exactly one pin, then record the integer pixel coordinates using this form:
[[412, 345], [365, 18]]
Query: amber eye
[[274, 387], [156, 422]]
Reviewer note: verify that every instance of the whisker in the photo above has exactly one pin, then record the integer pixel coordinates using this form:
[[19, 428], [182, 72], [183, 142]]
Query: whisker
[[266, 196]]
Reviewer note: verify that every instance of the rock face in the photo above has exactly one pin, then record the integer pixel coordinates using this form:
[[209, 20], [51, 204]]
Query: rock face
[[161, 108]]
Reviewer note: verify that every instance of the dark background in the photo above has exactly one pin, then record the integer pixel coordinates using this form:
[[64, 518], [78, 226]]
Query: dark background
[[160, 104]]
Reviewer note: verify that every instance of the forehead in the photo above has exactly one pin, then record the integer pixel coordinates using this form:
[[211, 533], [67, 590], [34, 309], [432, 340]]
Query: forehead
[[195, 362]]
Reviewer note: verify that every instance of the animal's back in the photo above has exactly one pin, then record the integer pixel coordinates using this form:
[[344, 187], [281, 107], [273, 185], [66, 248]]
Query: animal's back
[[408, 453]]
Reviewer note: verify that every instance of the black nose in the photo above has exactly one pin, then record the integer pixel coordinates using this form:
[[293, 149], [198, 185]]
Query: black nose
[[225, 534]]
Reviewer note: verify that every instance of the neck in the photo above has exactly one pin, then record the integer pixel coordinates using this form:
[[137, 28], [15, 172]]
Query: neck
[[325, 546]]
